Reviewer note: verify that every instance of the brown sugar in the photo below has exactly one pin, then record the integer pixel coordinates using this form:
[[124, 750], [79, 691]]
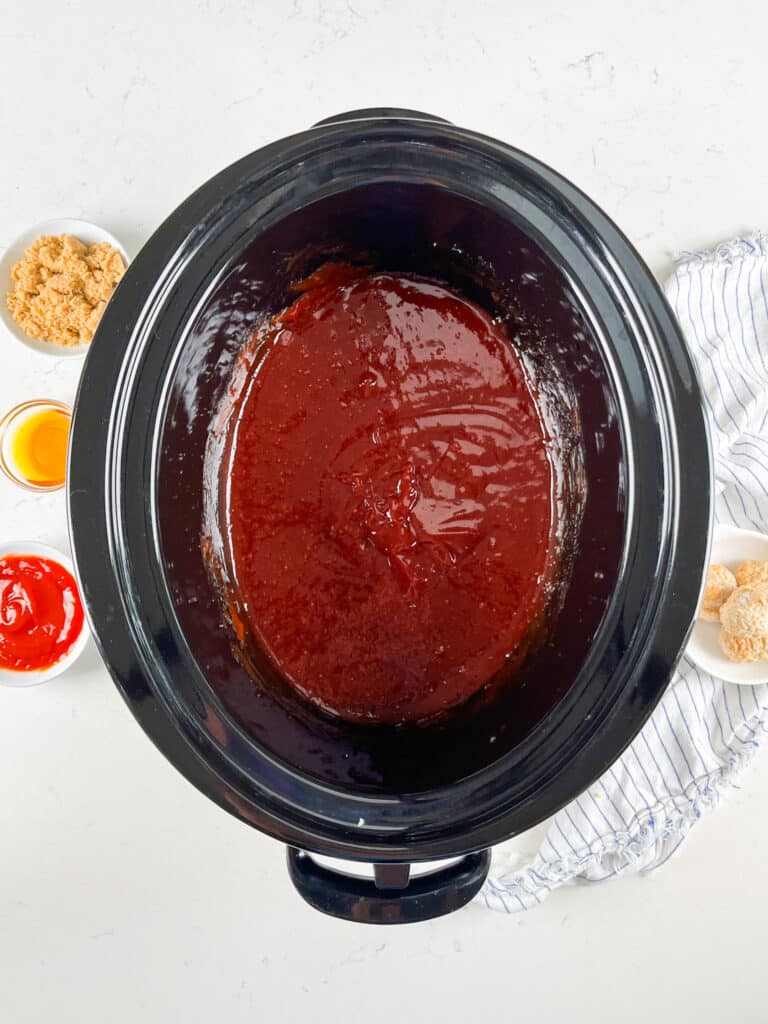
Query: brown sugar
[[61, 288]]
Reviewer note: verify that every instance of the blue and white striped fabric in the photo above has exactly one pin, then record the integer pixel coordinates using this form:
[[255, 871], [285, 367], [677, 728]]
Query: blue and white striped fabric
[[704, 731]]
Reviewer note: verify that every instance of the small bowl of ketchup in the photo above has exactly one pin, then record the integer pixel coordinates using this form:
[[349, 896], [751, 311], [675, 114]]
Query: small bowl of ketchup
[[42, 625]]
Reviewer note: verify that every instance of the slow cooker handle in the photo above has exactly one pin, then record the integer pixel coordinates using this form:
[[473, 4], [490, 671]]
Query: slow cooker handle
[[392, 896], [377, 113]]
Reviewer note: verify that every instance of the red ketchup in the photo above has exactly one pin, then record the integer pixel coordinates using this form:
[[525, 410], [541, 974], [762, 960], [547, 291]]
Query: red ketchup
[[387, 497], [41, 615]]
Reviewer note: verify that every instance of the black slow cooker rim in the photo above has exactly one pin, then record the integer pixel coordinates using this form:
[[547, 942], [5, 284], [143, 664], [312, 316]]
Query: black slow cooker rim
[[95, 527]]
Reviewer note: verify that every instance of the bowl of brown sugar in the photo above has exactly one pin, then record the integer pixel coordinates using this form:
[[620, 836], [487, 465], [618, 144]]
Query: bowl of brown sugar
[[56, 280]]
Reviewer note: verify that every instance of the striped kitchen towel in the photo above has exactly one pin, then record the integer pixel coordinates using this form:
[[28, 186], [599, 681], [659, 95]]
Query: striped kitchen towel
[[704, 730]]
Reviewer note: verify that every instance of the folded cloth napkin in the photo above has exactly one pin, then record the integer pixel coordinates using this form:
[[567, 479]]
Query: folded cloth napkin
[[704, 731]]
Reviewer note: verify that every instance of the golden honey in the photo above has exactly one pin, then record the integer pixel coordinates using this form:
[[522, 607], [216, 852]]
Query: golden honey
[[35, 436]]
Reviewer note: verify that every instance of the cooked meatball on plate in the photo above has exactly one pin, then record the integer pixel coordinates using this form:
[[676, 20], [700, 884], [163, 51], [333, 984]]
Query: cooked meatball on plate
[[730, 636]]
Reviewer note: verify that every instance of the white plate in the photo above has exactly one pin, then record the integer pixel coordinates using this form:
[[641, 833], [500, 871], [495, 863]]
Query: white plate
[[88, 233], [730, 546], [10, 678]]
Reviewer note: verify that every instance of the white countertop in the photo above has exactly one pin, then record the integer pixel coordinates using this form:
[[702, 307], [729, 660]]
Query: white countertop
[[125, 896]]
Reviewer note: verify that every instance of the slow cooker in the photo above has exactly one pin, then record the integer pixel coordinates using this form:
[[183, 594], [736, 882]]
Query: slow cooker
[[413, 193]]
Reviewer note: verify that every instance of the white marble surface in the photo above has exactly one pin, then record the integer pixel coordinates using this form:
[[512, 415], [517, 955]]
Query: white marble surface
[[124, 895]]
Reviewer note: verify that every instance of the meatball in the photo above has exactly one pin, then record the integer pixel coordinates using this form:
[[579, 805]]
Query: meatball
[[743, 648], [719, 586], [709, 614], [745, 613], [752, 572]]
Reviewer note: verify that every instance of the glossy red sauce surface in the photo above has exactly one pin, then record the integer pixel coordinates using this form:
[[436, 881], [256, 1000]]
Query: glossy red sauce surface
[[387, 497], [41, 615]]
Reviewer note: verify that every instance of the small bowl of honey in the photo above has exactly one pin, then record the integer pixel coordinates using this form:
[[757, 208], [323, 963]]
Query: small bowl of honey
[[33, 444]]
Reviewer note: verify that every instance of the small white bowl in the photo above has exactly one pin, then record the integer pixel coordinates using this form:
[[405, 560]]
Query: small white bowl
[[88, 233], [730, 546], [13, 678]]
